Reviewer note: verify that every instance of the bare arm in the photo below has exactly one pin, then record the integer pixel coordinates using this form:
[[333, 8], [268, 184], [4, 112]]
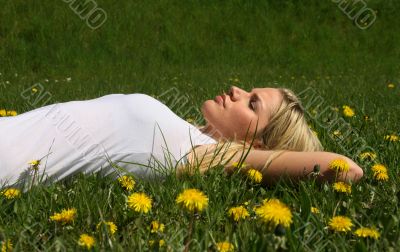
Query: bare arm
[[295, 165]]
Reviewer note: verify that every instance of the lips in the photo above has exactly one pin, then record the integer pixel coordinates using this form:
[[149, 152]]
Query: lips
[[224, 98], [219, 99]]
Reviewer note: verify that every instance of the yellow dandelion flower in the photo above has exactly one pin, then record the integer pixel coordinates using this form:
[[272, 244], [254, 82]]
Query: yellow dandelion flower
[[3, 112], [367, 233], [225, 247], [192, 199], [139, 202], [11, 113], [380, 172], [155, 227], [151, 243], [342, 187], [390, 85], [127, 182], [391, 138], [190, 120], [254, 175], [274, 212], [6, 246], [337, 133], [86, 240], [161, 243], [236, 165], [379, 168], [111, 227], [11, 193], [34, 90], [65, 216], [383, 176], [339, 165], [340, 224], [315, 210], [238, 213], [34, 162], [347, 111], [368, 155]]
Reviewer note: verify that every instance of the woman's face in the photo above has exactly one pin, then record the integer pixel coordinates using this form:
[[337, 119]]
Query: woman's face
[[231, 115]]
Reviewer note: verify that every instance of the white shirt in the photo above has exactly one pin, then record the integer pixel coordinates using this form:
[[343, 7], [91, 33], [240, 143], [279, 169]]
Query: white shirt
[[79, 136]]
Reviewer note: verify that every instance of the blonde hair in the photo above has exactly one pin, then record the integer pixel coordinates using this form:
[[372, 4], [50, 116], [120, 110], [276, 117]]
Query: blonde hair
[[287, 130]]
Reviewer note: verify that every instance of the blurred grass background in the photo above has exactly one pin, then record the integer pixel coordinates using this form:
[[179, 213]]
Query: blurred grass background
[[203, 47], [142, 46]]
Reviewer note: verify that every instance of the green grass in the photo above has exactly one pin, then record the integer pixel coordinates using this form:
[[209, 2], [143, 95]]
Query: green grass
[[200, 47]]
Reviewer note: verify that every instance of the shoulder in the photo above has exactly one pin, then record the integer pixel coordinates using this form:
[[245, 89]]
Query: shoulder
[[144, 98], [126, 96]]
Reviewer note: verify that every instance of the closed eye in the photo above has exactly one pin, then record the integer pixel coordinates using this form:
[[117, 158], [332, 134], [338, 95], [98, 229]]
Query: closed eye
[[252, 103]]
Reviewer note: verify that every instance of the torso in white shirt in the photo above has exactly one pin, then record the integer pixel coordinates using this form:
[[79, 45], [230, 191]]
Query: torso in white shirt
[[79, 136]]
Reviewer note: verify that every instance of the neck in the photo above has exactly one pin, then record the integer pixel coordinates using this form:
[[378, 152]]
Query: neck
[[211, 132]]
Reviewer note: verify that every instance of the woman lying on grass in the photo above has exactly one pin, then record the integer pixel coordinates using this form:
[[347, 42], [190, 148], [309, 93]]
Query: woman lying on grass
[[283, 145], [264, 128]]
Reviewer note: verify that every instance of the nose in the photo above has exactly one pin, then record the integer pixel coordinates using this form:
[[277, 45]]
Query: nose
[[236, 93]]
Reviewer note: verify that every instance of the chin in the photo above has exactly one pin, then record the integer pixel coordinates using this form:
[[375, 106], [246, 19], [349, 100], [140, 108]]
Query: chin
[[210, 112], [206, 108]]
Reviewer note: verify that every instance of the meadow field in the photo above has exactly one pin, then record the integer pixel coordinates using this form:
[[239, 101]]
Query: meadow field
[[347, 76]]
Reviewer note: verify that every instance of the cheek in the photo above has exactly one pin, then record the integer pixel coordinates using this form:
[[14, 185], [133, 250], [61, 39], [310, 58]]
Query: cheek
[[240, 116], [240, 120], [244, 124]]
